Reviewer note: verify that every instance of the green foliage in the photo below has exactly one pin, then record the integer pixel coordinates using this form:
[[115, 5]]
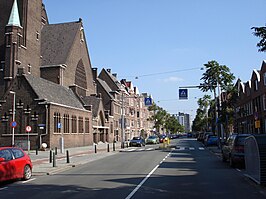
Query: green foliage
[[260, 32], [216, 74], [162, 119]]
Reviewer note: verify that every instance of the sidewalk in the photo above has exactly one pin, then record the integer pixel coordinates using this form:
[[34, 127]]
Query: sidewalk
[[77, 156]]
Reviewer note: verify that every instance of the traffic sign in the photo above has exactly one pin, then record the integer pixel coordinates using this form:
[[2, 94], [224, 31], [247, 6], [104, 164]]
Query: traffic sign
[[183, 94], [148, 101], [13, 124], [28, 129]]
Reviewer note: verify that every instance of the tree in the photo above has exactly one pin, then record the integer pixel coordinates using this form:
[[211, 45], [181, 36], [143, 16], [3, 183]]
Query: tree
[[163, 120], [217, 76], [201, 121], [260, 32]]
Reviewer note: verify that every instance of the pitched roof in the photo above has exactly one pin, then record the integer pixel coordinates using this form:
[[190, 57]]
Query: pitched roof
[[54, 93], [94, 101], [105, 87], [56, 40], [14, 16]]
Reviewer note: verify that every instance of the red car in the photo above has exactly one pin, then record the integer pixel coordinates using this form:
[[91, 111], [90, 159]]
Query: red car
[[14, 164]]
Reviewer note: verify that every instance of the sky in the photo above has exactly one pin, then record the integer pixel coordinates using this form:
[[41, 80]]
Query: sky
[[165, 43]]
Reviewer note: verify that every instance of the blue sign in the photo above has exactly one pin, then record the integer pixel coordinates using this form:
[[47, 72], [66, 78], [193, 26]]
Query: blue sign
[[59, 125], [183, 94], [148, 101], [14, 124]]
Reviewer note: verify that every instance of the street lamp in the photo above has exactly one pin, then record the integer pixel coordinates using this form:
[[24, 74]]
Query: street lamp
[[13, 116]]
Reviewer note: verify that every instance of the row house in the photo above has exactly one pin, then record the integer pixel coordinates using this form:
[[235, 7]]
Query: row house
[[250, 110], [47, 82]]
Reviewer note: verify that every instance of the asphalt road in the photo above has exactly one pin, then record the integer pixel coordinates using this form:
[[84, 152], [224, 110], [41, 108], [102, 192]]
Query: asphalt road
[[187, 171]]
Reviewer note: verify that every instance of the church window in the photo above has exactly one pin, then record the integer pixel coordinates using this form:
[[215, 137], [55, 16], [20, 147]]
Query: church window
[[80, 75], [29, 68], [74, 124], [81, 34], [80, 123], [37, 35], [87, 125], [57, 122], [66, 123], [2, 65]]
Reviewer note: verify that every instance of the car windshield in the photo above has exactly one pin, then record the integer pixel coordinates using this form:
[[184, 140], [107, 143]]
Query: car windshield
[[136, 138], [241, 140], [152, 137]]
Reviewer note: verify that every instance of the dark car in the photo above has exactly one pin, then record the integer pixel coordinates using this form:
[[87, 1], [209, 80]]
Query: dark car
[[14, 164], [211, 140], [137, 141], [233, 149]]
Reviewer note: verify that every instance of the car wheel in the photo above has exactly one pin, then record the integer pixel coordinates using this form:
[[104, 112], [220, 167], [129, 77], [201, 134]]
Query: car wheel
[[27, 172]]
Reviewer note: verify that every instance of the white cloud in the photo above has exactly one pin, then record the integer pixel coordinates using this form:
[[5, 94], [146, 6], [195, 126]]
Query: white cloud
[[173, 79]]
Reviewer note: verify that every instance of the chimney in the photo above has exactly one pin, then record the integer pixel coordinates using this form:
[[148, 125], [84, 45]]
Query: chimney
[[108, 70], [94, 73], [115, 75]]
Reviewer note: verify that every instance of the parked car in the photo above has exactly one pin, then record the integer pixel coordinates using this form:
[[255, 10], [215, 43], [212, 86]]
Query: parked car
[[14, 164], [233, 149], [211, 140], [137, 141], [153, 139], [162, 138]]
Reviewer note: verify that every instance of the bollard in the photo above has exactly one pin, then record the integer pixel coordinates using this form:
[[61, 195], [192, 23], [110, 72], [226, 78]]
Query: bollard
[[108, 148], [36, 150], [95, 148], [54, 160], [55, 149], [67, 157], [51, 156], [113, 146]]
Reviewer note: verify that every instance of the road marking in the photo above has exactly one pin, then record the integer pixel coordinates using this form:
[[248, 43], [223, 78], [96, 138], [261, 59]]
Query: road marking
[[28, 180], [201, 148], [146, 178], [191, 148], [1, 189]]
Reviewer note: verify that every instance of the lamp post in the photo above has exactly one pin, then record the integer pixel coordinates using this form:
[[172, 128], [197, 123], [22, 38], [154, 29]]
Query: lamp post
[[123, 123], [13, 116]]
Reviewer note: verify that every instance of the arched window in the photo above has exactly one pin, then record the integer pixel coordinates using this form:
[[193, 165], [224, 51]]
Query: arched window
[[57, 122], [80, 75]]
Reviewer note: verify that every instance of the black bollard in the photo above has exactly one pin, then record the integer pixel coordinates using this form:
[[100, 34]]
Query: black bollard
[[108, 148], [55, 149], [95, 148], [36, 150], [54, 160], [51, 156], [67, 157], [113, 146]]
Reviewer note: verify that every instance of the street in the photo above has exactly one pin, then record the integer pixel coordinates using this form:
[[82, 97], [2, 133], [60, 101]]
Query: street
[[186, 171]]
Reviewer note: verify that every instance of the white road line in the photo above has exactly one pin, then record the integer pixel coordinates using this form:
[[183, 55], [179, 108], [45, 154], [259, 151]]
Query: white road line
[[201, 148], [144, 180], [28, 180], [191, 148], [1, 189]]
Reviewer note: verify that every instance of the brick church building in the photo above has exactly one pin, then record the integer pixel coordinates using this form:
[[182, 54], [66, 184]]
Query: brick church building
[[46, 81]]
